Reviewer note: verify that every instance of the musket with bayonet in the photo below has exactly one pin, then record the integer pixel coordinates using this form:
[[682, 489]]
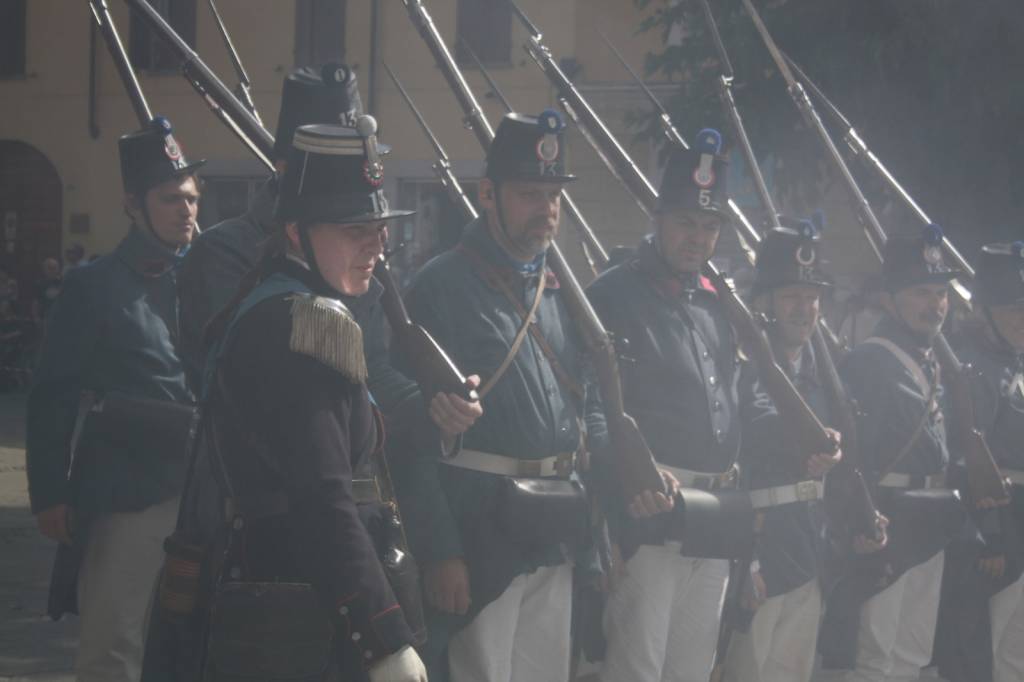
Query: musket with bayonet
[[473, 116], [586, 119], [984, 478], [101, 14], [634, 461], [746, 233], [860, 150], [443, 164], [724, 82], [850, 504], [809, 434], [244, 88], [221, 101], [593, 251]]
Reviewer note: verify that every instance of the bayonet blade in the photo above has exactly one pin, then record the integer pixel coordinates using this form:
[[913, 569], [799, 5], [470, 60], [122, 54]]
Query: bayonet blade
[[487, 76], [438, 149], [531, 28]]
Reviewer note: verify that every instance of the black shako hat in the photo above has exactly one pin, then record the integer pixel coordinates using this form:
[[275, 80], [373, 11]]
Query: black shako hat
[[790, 254], [999, 274], [530, 148], [695, 179], [335, 175], [151, 156], [327, 95], [915, 260]]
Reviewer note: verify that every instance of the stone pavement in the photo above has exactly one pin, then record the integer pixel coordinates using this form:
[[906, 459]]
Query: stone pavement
[[32, 647]]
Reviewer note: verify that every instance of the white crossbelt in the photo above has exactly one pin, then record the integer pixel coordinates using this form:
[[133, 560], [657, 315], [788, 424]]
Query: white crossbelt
[[912, 481], [503, 465], [1015, 476], [804, 491], [702, 480]]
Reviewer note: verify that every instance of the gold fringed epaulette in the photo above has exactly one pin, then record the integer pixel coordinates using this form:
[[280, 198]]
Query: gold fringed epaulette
[[325, 330]]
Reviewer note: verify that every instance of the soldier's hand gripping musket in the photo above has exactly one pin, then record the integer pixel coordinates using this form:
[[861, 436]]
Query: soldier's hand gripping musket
[[633, 459], [986, 481], [811, 433], [853, 507]]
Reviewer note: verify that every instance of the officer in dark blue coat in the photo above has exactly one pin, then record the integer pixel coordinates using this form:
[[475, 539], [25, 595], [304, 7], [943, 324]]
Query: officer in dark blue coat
[[223, 254], [886, 603], [681, 382], [982, 621], [110, 393], [505, 509], [293, 422]]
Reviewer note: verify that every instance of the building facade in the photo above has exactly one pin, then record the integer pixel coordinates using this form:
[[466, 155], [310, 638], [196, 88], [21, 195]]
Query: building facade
[[64, 106]]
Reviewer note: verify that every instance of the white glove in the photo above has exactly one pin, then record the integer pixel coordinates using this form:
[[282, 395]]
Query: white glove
[[402, 666]]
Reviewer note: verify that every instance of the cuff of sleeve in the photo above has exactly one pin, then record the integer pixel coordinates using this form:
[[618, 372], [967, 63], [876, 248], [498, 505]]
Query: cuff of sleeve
[[371, 637]]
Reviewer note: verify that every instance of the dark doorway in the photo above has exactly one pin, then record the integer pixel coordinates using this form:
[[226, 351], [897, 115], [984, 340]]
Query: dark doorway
[[30, 214]]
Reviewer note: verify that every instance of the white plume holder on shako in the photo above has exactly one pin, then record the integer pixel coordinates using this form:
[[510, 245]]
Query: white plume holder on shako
[[548, 148], [709, 142], [696, 179], [373, 169], [932, 252]]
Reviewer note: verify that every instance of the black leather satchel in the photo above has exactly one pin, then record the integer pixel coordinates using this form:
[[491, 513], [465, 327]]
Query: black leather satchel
[[266, 632], [543, 511]]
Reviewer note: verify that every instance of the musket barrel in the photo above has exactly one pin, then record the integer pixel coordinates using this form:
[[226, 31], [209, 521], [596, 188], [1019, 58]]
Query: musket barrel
[[860, 149], [101, 12], [244, 89], [207, 79]]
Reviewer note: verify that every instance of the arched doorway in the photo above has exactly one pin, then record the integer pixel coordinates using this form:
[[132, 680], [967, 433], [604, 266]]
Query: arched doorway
[[30, 214]]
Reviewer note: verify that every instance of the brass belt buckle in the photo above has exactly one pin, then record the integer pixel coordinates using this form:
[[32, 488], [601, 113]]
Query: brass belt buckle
[[806, 491]]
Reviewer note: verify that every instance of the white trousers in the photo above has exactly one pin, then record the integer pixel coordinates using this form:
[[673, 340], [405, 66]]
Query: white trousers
[[122, 558], [662, 618], [897, 626], [781, 643], [522, 636], [1007, 613]]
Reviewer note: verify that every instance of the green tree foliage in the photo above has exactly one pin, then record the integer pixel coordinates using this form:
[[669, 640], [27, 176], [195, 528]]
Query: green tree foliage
[[934, 87]]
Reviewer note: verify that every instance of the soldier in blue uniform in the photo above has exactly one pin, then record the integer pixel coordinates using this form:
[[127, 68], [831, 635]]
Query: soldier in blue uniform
[[982, 617], [880, 619], [681, 382], [109, 392], [784, 591], [293, 420], [503, 511]]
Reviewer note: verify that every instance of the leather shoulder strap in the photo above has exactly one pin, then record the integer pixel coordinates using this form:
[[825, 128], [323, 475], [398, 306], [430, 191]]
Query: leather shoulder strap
[[490, 275], [908, 362]]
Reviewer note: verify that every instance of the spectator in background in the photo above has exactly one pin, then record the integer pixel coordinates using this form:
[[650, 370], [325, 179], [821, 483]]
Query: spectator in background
[[47, 290], [8, 287], [74, 256], [12, 347]]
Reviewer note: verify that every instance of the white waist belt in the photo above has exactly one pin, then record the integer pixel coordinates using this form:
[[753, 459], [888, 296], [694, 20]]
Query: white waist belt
[[489, 463], [804, 491], [1015, 476], [703, 480], [912, 481]]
